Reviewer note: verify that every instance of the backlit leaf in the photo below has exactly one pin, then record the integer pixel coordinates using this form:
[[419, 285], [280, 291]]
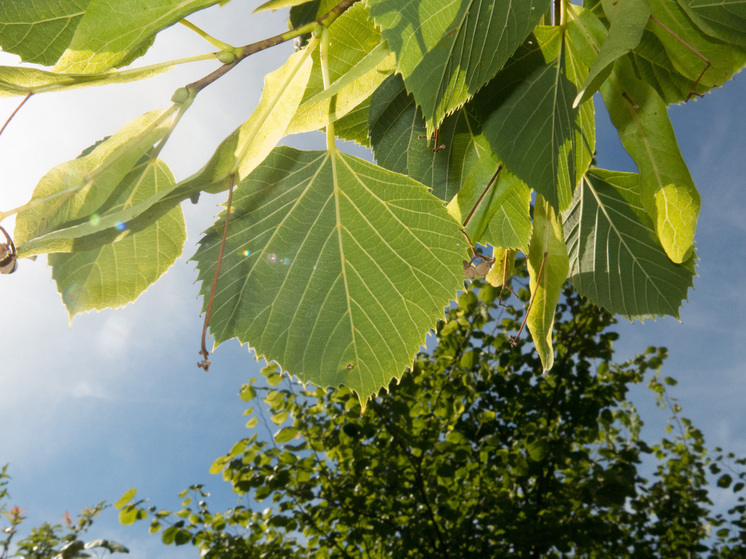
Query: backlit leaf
[[333, 267], [667, 191], [502, 269], [547, 269], [126, 498], [39, 31], [110, 30], [653, 65], [116, 273], [358, 64], [446, 51], [17, 80], [615, 257], [250, 143], [273, 5], [726, 58], [501, 218], [70, 194]]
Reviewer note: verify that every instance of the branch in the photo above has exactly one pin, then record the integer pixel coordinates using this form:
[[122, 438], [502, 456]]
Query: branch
[[419, 481], [18, 108], [253, 48]]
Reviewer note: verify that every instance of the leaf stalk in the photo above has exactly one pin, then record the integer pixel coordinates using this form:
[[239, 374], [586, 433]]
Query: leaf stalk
[[205, 363]]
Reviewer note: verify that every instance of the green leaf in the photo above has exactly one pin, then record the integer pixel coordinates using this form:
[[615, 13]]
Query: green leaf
[[285, 434], [250, 143], [353, 126], [241, 151], [625, 33], [653, 65], [502, 216], [111, 30], [15, 80], [358, 64], [533, 128], [399, 140], [126, 498], [615, 258], [724, 20], [726, 58], [548, 265], [509, 226], [667, 191], [115, 274], [333, 267], [69, 195], [273, 5], [39, 31], [502, 269], [447, 51], [537, 450]]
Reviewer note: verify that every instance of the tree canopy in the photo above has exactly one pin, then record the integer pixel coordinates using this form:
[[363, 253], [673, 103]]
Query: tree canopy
[[481, 119], [473, 453]]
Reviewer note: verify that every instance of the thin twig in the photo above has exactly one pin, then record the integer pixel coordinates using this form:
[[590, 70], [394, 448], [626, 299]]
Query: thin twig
[[205, 364], [18, 108]]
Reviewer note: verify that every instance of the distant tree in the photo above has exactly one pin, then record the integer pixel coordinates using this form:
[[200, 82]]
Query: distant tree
[[49, 541], [474, 453]]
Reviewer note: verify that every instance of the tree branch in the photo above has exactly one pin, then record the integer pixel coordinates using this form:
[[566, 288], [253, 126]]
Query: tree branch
[[419, 482], [253, 48]]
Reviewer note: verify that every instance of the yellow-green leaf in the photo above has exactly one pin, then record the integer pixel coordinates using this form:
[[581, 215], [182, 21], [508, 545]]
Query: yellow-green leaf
[[667, 191], [111, 31], [116, 273], [358, 63], [74, 193], [249, 144], [17, 80], [548, 265]]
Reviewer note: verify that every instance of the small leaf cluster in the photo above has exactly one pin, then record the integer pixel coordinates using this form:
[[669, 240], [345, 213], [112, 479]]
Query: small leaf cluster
[[50, 541], [473, 453]]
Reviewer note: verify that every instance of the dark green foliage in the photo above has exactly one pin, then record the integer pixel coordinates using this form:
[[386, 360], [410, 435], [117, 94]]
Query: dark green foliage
[[474, 453]]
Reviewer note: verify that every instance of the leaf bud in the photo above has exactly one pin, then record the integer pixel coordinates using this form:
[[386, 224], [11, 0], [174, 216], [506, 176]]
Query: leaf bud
[[180, 95], [226, 56]]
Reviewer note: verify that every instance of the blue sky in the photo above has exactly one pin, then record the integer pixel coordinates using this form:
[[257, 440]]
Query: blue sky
[[116, 401]]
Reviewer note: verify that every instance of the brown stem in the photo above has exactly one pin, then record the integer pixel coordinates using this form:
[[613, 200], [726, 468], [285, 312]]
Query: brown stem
[[514, 339], [18, 108], [253, 48], [205, 364]]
